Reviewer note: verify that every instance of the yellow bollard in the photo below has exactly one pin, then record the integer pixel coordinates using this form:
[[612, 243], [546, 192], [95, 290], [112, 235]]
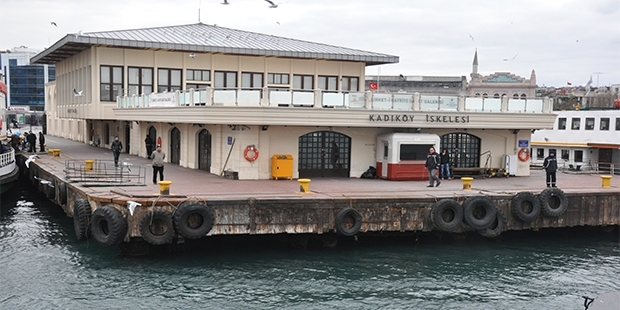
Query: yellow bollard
[[56, 152], [89, 164], [606, 179], [164, 187], [304, 185], [467, 183]]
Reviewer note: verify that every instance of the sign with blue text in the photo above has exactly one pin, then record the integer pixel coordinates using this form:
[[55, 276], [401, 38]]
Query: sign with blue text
[[524, 143]]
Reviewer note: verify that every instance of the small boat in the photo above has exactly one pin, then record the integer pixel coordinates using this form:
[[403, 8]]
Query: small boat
[[9, 171]]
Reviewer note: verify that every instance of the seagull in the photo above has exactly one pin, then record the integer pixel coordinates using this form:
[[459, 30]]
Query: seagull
[[78, 34], [30, 159], [44, 182], [472, 37], [192, 55], [53, 24], [273, 5], [131, 205], [515, 56], [77, 93], [127, 165], [225, 2]]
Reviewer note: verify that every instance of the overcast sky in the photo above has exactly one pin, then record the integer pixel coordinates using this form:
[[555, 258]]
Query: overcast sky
[[563, 41]]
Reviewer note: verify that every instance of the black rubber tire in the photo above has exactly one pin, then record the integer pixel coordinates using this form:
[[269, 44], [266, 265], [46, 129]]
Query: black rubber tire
[[348, 222], [62, 193], [496, 228], [479, 212], [525, 206], [553, 202], [108, 226], [81, 219], [156, 227], [193, 219], [50, 189], [447, 215]]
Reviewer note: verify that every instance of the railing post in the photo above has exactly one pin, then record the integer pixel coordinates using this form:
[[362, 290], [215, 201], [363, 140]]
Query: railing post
[[176, 97], [416, 101], [264, 100], [209, 97], [318, 99], [461, 103], [368, 100], [504, 104]]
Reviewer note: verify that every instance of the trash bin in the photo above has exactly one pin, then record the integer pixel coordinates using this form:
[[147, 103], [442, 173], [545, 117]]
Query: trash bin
[[282, 166]]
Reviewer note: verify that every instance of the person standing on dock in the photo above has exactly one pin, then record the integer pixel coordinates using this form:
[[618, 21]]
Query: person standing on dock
[[41, 142], [444, 172], [432, 164], [551, 166], [117, 147], [32, 141], [149, 146], [158, 164]]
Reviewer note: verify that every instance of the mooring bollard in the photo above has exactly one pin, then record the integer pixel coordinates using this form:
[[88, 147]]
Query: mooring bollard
[[164, 187], [304, 185], [467, 183], [89, 164], [56, 152], [606, 180]]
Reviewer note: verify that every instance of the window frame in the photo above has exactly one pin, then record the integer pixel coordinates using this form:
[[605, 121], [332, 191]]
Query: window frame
[[577, 121], [347, 81], [252, 76], [303, 81], [565, 154], [168, 86], [562, 123], [228, 76], [589, 125], [140, 85], [111, 84], [604, 120], [327, 83], [540, 153], [578, 158], [277, 79]]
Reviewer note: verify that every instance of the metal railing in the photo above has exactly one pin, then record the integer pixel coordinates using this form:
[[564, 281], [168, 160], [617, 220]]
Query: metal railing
[[591, 167], [104, 173]]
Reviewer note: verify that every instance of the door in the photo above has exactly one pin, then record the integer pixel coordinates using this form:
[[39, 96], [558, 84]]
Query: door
[[204, 150], [604, 160], [385, 159], [127, 137], [324, 154], [175, 146]]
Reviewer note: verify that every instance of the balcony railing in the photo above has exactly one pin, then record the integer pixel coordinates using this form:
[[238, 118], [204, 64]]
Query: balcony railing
[[266, 97]]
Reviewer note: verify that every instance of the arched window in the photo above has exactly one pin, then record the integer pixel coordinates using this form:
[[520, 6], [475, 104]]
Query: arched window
[[485, 95], [464, 149], [523, 96], [515, 96], [496, 95], [477, 94], [504, 94]]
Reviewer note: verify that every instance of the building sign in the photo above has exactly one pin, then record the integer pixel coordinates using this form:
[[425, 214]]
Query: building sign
[[430, 118], [429, 103], [524, 143], [162, 100]]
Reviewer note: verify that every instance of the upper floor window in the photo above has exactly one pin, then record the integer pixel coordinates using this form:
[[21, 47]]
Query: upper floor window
[[618, 123], [168, 80], [589, 123], [111, 82], [496, 95], [252, 80], [328, 83], [565, 154], [562, 123], [523, 96], [303, 82], [277, 78], [485, 95], [198, 75], [515, 96], [139, 81], [225, 79], [350, 83], [604, 125], [576, 124]]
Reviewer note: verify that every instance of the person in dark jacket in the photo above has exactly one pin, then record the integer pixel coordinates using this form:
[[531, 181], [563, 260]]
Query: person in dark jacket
[[41, 142], [551, 166], [444, 172], [117, 147], [432, 164], [32, 141], [149, 146]]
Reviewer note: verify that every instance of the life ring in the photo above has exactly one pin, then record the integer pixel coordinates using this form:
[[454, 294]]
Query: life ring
[[81, 219], [348, 222], [496, 228], [193, 219], [156, 227], [479, 212], [447, 215], [250, 153], [553, 202], [524, 155], [108, 226], [525, 206]]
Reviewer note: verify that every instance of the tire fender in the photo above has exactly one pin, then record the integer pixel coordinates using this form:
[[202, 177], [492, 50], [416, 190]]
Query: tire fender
[[108, 226], [447, 215], [348, 222], [496, 228], [553, 202], [156, 227], [479, 212], [81, 219], [525, 206], [193, 219]]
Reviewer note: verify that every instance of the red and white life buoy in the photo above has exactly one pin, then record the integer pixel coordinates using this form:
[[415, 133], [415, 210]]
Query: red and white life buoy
[[250, 153], [524, 155]]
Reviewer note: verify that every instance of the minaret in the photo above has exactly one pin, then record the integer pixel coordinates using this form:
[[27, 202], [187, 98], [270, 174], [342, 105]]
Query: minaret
[[533, 78], [474, 67]]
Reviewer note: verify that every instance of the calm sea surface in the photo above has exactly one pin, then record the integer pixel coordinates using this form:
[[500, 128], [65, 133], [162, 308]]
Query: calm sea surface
[[43, 266]]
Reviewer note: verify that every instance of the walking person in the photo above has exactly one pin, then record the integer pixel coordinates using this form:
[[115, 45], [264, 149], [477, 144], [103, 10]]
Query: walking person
[[444, 170], [149, 146], [117, 147], [551, 166], [432, 164], [158, 164], [41, 142]]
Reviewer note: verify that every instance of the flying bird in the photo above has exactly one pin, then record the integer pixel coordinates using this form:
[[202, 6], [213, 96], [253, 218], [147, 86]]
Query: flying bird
[[192, 55], [128, 165], [131, 205], [272, 5], [29, 160], [515, 56], [472, 37], [77, 93], [53, 24], [225, 2]]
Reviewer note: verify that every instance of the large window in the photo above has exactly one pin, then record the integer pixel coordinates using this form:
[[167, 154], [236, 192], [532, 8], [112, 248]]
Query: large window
[[111, 78], [278, 78], [565, 154], [578, 156], [576, 124], [251, 80], [604, 124], [414, 151], [464, 149], [328, 83], [303, 82], [201, 79], [225, 79], [139, 81], [589, 123], [540, 153], [350, 83], [168, 80], [562, 123]]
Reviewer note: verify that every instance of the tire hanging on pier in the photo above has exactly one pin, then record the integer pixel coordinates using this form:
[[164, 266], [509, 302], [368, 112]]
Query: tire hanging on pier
[[553, 202], [479, 212], [193, 219], [62, 193], [50, 189], [348, 222], [156, 227], [108, 226], [81, 219], [525, 206], [447, 215], [497, 227]]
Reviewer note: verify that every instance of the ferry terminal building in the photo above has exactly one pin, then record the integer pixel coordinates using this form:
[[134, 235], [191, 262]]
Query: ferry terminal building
[[221, 99]]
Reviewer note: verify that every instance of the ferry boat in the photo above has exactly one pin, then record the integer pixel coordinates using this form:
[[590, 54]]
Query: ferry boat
[[9, 171]]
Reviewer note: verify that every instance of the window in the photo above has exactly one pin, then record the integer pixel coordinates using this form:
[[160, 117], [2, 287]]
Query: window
[[198, 75], [225, 79], [578, 156], [350, 83], [111, 79], [515, 96], [464, 149], [303, 82], [496, 95], [604, 125], [414, 151], [540, 153], [576, 124], [168, 80], [386, 147], [618, 123], [589, 123], [139, 81], [277, 78], [328, 83], [523, 96], [562, 123], [251, 80], [196, 86], [565, 154]]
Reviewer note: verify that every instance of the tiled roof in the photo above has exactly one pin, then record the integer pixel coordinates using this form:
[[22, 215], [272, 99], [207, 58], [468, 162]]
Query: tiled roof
[[207, 38]]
